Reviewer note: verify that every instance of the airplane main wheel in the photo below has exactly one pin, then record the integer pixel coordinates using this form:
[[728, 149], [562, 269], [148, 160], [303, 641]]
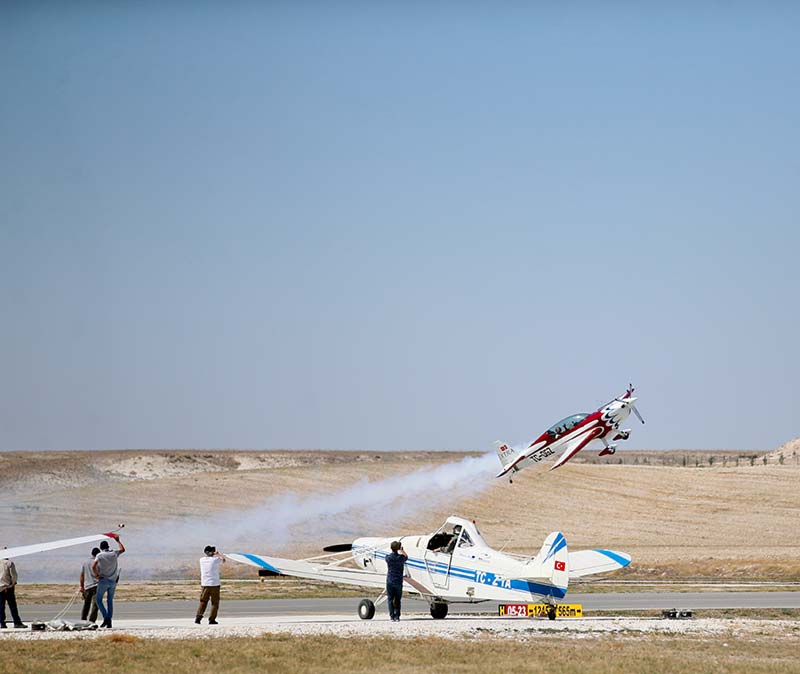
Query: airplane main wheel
[[366, 609], [551, 612], [438, 610]]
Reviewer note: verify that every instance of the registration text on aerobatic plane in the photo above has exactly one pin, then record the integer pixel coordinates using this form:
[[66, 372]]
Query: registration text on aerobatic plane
[[570, 435], [453, 565]]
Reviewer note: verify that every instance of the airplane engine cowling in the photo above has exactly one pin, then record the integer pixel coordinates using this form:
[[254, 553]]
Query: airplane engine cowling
[[366, 550]]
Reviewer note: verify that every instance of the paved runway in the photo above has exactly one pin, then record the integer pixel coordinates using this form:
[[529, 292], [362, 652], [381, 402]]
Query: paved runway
[[611, 601]]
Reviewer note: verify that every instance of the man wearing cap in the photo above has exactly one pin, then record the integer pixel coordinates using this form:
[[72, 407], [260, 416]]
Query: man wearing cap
[[89, 588], [106, 569], [395, 570], [209, 583]]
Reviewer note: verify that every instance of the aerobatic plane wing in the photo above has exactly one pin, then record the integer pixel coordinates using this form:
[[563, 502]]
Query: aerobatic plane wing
[[8, 553], [577, 445], [589, 562]]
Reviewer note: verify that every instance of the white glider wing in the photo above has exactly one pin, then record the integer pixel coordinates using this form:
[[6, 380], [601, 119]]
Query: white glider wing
[[589, 562], [8, 553]]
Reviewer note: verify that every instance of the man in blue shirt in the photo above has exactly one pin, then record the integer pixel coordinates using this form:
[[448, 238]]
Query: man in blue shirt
[[395, 564]]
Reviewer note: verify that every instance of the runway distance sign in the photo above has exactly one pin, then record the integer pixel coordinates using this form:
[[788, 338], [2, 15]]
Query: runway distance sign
[[540, 610]]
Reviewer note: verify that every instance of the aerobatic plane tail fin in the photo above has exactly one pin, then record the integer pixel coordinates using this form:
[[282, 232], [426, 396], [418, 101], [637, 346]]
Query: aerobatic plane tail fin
[[507, 455]]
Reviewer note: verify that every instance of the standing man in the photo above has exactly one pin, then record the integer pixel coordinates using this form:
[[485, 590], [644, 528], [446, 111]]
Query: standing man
[[89, 588], [8, 579], [106, 569], [395, 565], [209, 583]]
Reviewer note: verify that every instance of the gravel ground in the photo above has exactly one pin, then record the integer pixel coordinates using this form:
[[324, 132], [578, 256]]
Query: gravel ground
[[420, 625]]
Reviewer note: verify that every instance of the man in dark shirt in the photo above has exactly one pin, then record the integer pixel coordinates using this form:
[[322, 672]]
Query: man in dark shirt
[[395, 565]]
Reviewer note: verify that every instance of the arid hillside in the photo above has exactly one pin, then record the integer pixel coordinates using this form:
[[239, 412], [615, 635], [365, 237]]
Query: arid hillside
[[731, 516]]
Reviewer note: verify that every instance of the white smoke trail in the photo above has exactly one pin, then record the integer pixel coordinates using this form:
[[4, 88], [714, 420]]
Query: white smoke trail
[[364, 508], [382, 500]]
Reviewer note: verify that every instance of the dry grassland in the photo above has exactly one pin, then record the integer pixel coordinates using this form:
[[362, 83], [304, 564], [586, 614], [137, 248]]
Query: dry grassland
[[177, 590], [676, 522], [617, 654], [719, 521]]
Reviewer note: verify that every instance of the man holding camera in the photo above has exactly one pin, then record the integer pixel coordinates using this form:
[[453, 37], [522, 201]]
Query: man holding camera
[[395, 571], [209, 583]]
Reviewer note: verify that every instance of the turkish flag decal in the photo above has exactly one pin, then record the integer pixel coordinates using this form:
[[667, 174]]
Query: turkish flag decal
[[560, 566]]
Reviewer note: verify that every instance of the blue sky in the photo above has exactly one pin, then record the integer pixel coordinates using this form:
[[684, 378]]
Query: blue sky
[[373, 226]]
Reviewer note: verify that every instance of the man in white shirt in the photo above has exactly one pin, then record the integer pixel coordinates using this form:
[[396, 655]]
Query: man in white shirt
[[8, 579], [106, 569], [209, 583]]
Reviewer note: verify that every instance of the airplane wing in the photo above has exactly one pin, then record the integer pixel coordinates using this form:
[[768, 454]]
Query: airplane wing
[[330, 572], [577, 444], [589, 562], [22, 550]]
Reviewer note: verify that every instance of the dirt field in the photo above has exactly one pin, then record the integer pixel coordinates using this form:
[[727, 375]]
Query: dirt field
[[677, 518], [674, 521]]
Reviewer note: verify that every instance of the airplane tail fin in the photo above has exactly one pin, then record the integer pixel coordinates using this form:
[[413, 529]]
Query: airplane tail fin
[[554, 558], [506, 453]]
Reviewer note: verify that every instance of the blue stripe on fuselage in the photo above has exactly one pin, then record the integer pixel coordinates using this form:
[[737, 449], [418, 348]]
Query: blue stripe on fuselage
[[485, 577]]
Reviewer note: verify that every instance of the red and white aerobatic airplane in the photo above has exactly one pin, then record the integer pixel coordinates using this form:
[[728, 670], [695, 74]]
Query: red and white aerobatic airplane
[[570, 435]]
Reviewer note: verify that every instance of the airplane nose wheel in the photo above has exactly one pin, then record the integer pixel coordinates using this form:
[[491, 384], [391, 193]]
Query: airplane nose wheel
[[366, 609], [438, 610], [551, 612]]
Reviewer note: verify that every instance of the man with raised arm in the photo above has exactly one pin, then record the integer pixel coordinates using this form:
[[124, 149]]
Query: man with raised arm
[[106, 569], [209, 583], [395, 565]]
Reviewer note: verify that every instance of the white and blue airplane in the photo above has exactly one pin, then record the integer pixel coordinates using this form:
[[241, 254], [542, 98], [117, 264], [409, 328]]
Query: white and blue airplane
[[453, 565]]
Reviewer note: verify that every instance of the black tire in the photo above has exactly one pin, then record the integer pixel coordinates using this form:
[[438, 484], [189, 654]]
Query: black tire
[[366, 609], [551, 612], [439, 610]]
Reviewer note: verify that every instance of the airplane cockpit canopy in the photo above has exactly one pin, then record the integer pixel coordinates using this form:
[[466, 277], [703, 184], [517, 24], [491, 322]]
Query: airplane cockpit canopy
[[566, 424], [456, 532]]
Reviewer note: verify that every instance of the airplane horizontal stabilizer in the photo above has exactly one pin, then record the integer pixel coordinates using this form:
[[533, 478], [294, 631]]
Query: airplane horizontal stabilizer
[[590, 562]]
